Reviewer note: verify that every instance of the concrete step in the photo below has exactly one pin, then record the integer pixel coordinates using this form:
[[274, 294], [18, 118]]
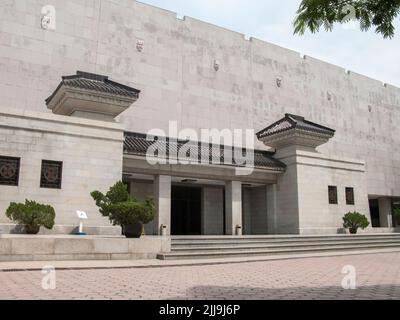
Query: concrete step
[[209, 247], [205, 239], [228, 246], [194, 244], [207, 254]]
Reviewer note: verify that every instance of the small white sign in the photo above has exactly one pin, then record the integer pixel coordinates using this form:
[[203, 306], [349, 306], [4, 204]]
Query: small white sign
[[81, 215]]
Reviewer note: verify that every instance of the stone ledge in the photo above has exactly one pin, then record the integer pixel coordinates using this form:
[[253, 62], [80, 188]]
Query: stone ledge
[[73, 248], [60, 119], [65, 230], [60, 125]]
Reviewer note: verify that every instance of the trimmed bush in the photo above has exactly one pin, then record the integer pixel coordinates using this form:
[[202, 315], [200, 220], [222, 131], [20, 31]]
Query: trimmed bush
[[122, 209], [355, 220], [31, 215], [396, 216]]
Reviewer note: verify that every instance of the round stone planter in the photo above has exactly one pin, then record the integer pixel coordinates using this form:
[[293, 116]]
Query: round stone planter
[[133, 231], [353, 230], [31, 229]]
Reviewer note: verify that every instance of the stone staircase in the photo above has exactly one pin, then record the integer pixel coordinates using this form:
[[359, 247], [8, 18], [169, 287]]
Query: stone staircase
[[215, 247]]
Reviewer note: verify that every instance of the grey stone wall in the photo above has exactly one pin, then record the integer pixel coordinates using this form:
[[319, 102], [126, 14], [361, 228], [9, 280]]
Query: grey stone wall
[[91, 152], [255, 214], [178, 82], [299, 203]]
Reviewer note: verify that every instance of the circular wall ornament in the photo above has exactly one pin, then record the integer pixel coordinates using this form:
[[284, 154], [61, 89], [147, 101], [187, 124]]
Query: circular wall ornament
[[7, 170], [51, 174]]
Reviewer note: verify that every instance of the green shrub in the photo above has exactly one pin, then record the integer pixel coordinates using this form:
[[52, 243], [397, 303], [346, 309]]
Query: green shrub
[[396, 215], [32, 215], [121, 208], [355, 220]]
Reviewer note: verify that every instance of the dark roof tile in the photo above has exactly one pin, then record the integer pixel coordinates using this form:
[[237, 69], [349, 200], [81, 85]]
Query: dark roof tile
[[291, 121], [137, 144], [97, 83]]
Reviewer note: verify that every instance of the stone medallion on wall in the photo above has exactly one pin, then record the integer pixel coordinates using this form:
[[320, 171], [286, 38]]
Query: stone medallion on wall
[[9, 171]]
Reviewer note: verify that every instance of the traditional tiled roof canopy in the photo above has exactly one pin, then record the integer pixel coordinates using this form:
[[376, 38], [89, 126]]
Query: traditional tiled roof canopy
[[97, 83], [137, 144], [92, 93], [291, 121], [294, 129]]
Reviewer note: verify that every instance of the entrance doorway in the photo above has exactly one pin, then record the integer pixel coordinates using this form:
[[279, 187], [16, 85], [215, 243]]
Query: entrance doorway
[[185, 210], [374, 209]]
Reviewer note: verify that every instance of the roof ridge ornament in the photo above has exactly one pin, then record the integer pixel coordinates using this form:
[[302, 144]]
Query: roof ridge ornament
[[91, 76]]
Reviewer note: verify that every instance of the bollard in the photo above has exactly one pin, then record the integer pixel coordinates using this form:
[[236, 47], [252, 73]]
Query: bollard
[[238, 230], [163, 230]]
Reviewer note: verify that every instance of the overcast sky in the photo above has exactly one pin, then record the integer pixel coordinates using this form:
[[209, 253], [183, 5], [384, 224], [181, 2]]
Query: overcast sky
[[270, 20]]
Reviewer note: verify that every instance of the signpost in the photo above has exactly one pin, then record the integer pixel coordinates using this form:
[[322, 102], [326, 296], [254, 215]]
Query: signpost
[[82, 216]]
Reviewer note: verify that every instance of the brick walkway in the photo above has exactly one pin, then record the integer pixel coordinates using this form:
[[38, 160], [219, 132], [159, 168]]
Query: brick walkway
[[378, 277]]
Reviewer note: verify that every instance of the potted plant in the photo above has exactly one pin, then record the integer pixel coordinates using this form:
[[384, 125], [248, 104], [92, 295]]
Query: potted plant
[[32, 215], [355, 220], [396, 215], [124, 210]]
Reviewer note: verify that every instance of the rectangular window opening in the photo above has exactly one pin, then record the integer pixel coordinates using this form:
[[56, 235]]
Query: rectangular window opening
[[333, 195], [51, 174]]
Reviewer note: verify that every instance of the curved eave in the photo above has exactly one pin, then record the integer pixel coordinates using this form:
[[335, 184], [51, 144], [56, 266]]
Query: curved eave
[[141, 156]]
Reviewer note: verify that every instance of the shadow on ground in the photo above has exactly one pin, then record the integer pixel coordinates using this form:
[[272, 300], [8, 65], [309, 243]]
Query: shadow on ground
[[295, 293]]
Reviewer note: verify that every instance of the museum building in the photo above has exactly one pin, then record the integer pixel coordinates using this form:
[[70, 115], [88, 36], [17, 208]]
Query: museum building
[[326, 141]]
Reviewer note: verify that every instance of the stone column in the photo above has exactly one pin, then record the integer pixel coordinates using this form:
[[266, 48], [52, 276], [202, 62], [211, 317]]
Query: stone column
[[212, 219], [233, 206], [162, 197], [385, 212]]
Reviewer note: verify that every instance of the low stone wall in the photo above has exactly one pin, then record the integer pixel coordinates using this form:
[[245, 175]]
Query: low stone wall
[[69, 248], [6, 228]]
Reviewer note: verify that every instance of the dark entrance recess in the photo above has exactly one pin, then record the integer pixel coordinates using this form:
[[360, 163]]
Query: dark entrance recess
[[185, 211], [374, 208]]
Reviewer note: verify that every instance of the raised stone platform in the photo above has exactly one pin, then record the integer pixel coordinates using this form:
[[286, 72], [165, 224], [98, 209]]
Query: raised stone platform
[[65, 247], [64, 230]]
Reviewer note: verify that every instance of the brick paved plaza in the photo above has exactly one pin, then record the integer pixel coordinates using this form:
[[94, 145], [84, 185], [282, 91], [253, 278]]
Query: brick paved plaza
[[378, 277]]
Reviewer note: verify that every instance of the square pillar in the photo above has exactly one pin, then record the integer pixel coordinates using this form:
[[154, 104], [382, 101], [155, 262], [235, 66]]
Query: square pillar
[[162, 197], [385, 212], [233, 206]]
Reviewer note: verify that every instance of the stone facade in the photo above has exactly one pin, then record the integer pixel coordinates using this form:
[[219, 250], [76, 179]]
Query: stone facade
[[301, 196], [173, 63], [91, 152]]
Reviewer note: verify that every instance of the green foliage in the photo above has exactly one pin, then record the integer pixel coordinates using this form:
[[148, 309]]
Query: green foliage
[[121, 208], [396, 215], [314, 14], [355, 220], [32, 215]]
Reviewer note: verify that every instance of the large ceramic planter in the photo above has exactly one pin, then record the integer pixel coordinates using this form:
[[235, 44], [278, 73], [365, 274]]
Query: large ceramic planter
[[133, 230], [31, 229], [353, 230]]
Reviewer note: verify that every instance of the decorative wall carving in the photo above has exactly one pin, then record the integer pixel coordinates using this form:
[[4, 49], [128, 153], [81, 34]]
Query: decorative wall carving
[[350, 196], [217, 65], [9, 171], [48, 21], [139, 45], [333, 195], [51, 175], [279, 81]]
